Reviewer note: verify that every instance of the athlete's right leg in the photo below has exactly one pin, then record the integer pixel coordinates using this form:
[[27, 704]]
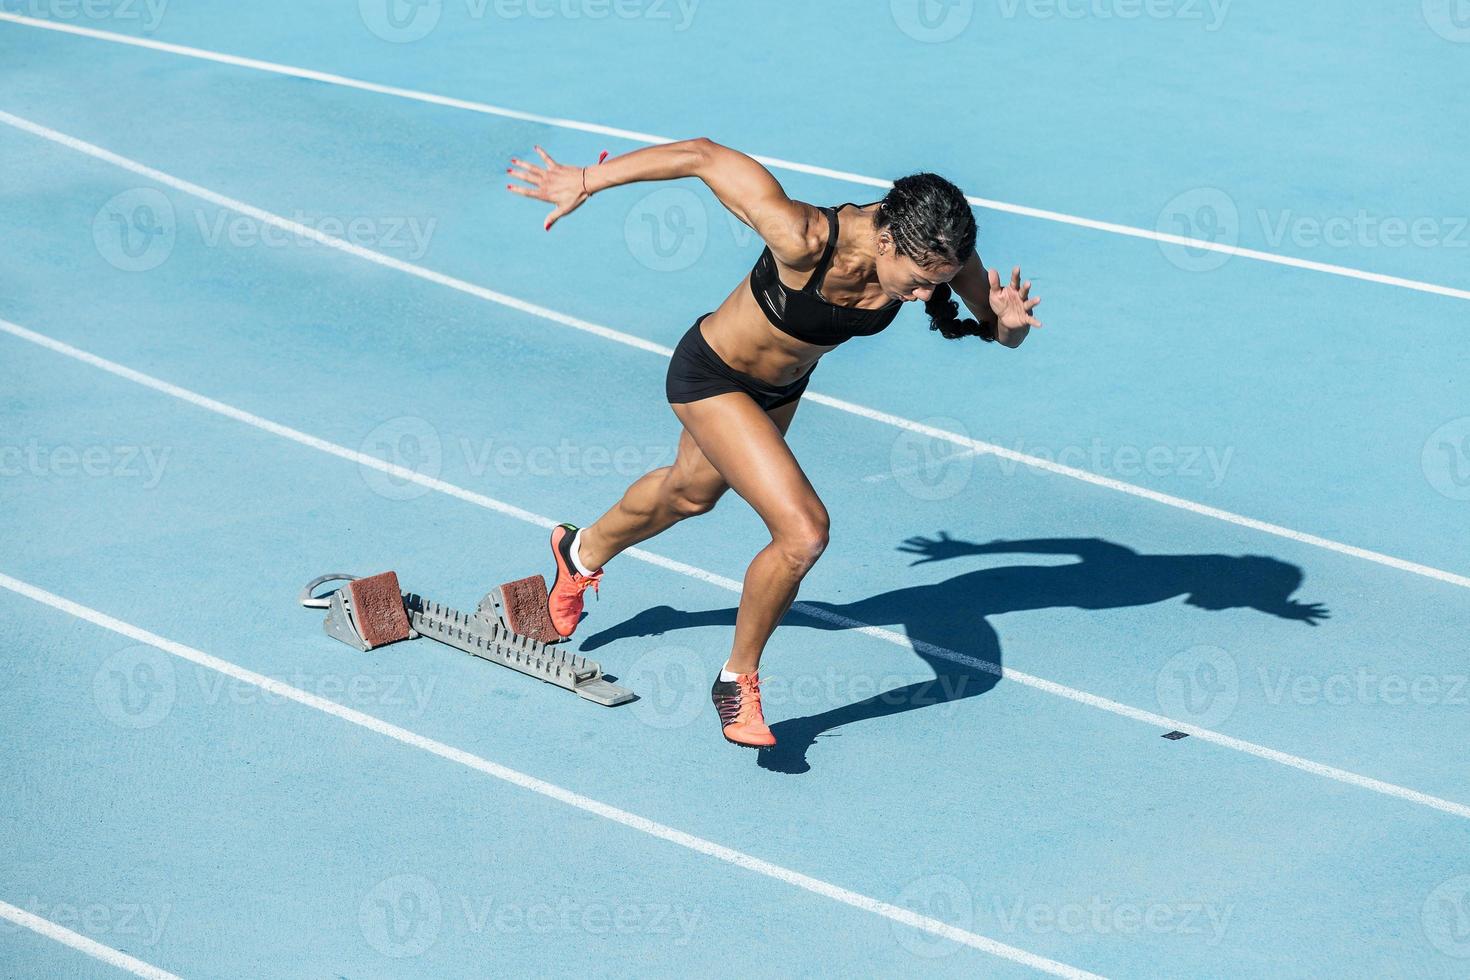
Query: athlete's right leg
[[654, 503], [662, 498], [749, 451]]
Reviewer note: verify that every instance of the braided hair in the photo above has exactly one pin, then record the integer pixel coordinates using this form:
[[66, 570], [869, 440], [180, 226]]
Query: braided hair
[[931, 222]]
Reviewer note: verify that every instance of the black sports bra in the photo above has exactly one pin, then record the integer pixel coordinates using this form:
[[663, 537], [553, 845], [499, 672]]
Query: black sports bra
[[803, 313]]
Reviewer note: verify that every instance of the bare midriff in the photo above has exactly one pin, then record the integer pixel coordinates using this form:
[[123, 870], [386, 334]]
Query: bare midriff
[[739, 332]]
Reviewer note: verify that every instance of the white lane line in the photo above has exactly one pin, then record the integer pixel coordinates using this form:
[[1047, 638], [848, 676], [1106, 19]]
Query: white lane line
[[77, 941], [775, 163], [516, 778], [276, 221], [898, 472], [731, 585], [618, 336], [1169, 500]]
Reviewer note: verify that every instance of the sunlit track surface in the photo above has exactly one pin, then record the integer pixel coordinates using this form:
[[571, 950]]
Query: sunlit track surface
[[267, 311]]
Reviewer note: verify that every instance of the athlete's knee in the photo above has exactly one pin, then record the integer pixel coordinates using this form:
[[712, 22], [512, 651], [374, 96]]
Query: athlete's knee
[[692, 505], [690, 498], [802, 538]]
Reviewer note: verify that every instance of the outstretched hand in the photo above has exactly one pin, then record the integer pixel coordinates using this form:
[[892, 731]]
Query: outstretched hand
[[937, 549], [563, 187], [1013, 302], [1310, 613]]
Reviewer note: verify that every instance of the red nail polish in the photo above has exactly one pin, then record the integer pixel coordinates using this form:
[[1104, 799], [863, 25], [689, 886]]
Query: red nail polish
[[602, 156]]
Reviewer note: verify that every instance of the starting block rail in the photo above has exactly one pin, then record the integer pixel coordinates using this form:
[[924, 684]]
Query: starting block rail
[[363, 615]]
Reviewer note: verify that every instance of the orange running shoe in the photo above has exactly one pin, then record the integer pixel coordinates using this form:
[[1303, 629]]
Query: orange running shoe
[[739, 705], [565, 598]]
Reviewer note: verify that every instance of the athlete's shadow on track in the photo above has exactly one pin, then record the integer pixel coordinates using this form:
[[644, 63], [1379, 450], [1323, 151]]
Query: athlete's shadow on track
[[950, 617]]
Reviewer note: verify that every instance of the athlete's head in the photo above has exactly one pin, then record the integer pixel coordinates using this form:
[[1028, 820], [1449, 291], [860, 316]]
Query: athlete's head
[[926, 232]]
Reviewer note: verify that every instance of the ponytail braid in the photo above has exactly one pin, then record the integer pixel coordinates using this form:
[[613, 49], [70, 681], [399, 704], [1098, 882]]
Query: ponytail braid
[[944, 316]]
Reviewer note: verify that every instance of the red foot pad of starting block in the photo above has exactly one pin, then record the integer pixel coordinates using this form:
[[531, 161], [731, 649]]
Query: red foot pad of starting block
[[377, 604], [523, 606]]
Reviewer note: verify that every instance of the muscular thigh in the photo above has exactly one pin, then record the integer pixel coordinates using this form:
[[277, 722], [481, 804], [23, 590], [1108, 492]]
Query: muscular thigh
[[696, 476], [731, 443]]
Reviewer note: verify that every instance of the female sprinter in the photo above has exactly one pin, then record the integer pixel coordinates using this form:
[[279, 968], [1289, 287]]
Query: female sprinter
[[826, 275]]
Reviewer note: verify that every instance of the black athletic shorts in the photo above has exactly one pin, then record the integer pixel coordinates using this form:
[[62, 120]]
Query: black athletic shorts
[[698, 372]]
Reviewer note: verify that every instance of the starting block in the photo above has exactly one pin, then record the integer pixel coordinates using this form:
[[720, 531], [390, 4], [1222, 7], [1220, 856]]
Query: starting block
[[371, 612]]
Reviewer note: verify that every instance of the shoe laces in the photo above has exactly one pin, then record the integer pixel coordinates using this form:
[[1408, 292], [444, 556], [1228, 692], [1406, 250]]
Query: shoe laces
[[582, 583]]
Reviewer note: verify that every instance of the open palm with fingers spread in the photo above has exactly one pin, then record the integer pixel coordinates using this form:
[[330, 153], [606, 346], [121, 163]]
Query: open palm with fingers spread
[[563, 187], [1013, 302]]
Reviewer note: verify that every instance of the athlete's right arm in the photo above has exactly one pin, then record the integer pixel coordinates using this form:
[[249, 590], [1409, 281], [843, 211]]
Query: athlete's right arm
[[794, 230]]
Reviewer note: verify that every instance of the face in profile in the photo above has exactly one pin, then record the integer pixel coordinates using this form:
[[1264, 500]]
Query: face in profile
[[904, 279]]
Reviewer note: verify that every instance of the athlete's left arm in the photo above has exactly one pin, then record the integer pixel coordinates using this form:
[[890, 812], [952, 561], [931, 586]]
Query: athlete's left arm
[[1004, 311]]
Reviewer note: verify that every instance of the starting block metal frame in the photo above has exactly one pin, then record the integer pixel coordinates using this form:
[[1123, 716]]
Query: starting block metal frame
[[482, 633]]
